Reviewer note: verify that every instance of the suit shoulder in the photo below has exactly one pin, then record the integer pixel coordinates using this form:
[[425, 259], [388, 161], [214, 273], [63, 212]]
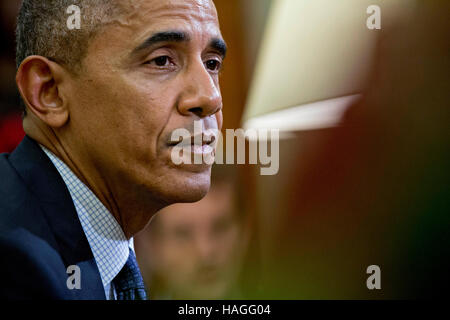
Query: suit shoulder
[[18, 206], [31, 267], [12, 188]]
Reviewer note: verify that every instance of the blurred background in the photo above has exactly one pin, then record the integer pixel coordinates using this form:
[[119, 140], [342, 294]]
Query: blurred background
[[361, 98], [11, 132]]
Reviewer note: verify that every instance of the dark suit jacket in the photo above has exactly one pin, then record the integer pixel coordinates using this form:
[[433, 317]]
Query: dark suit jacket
[[40, 234]]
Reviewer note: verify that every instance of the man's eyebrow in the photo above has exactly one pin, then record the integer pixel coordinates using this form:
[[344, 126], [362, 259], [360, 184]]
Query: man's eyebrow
[[219, 45], [179, 36], [165, 36]]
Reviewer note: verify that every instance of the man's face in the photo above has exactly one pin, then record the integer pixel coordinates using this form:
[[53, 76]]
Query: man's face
[[196, 248], [151, 71]]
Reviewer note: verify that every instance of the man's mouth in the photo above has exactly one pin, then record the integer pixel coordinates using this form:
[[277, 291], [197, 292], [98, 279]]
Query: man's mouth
[[203, 143]]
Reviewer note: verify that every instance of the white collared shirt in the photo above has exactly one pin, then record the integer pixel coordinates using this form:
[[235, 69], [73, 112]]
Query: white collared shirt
[[108, 243]]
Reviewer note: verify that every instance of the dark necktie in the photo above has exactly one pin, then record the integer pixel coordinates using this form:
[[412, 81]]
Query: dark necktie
[[129, 284]]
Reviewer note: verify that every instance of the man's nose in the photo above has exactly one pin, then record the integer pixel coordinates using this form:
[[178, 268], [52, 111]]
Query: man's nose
[[206, 248], [201, 94]]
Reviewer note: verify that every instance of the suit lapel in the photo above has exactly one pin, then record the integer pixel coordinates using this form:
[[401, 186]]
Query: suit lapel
[[43, 179]]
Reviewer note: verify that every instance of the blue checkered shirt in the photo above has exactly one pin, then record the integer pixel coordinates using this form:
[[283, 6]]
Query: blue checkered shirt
[[108, 243]]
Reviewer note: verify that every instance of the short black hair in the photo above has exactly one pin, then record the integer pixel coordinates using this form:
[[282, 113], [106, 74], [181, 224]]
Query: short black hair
[[42, 28]]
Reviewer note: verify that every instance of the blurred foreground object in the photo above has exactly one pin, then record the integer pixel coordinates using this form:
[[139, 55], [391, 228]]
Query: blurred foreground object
[[314, 61], [373, 190]]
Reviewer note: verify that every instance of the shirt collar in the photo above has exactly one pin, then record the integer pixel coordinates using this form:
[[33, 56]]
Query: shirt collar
[[108, 243]]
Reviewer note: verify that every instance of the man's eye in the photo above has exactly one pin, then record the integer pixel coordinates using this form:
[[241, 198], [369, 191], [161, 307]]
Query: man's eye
[[213, 65], [162, 61]]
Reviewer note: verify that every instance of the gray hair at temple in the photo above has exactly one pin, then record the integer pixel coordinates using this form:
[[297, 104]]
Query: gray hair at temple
[[42, 29]]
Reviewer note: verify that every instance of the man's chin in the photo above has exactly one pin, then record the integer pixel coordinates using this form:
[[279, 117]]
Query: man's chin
[[190, 196], [188, 186]]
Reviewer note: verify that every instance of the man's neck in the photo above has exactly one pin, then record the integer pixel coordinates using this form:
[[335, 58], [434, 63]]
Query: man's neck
[[132, 208]]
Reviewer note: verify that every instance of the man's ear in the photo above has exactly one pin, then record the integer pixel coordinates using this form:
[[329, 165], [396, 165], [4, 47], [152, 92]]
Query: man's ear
[[39, 82]]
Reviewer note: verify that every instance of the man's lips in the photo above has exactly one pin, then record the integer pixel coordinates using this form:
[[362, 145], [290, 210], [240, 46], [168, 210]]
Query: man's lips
[[200, 140]]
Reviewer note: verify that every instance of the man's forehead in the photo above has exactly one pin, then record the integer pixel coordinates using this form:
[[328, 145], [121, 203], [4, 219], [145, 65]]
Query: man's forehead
[[205, 212], [144, 18], [157, 9]]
